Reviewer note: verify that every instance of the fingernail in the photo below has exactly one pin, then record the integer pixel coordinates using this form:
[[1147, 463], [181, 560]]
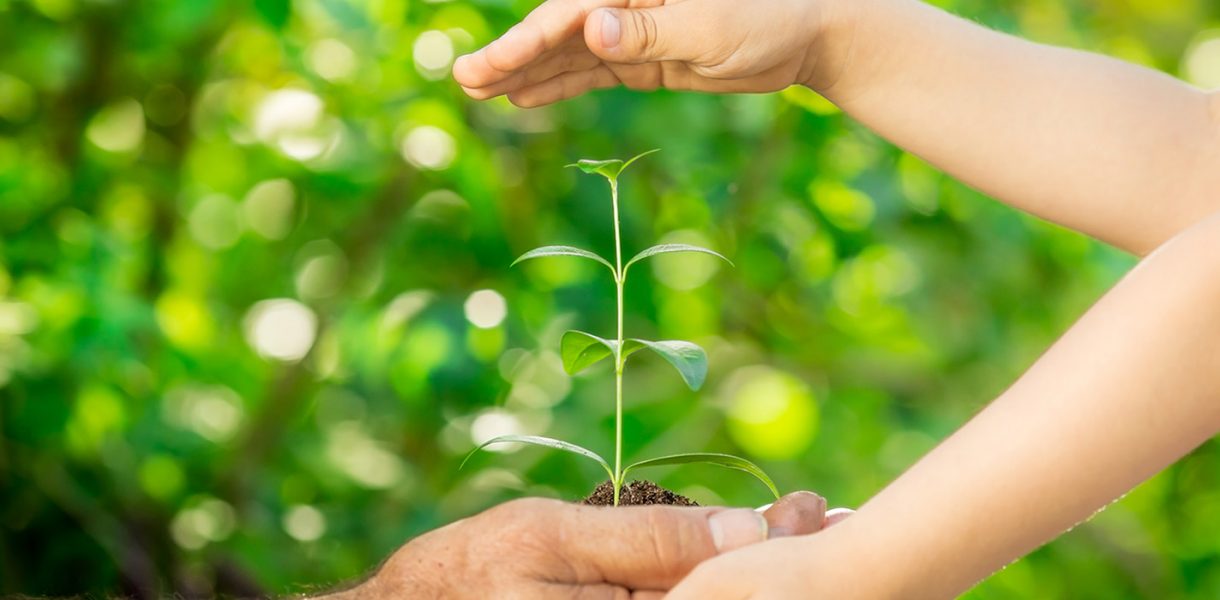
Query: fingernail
[[736, 528], [836, 515], [610, 29]]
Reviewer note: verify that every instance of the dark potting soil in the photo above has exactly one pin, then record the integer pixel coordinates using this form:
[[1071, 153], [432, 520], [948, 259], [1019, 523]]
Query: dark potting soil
[[636, 493]]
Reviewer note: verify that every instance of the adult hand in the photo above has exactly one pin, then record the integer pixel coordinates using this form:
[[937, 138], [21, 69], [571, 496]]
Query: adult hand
[[567, 47], [536, 548]]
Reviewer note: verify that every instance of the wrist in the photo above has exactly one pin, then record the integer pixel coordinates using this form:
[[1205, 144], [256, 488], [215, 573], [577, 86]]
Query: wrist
[[831, 42], [851, 559]]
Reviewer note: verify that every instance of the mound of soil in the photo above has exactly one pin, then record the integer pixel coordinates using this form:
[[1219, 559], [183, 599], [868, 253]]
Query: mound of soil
[[635, 493]]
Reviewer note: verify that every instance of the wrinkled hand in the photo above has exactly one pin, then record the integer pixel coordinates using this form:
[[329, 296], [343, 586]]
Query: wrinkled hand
[[536, 548], [567, 47]]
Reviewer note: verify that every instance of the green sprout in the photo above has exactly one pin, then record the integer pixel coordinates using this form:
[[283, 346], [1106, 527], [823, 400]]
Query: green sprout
[[580, 350]]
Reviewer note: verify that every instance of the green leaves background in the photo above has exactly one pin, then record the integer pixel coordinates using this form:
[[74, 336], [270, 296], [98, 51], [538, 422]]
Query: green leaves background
[[157, 209]]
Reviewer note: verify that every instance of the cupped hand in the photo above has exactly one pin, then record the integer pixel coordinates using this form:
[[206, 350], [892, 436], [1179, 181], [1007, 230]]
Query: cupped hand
[[826, 565], [567, 47], [536, 548]]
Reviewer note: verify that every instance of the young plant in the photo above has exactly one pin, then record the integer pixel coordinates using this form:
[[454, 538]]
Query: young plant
[[580, 350]]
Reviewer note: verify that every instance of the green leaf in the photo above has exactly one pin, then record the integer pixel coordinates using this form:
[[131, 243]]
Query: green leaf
[[689, 359], [562, 251], [725, 460], [668, 248], [610, 169], [580, 350], [545, 442]]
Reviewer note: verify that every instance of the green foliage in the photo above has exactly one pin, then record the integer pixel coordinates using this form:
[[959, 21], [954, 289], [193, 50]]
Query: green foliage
[[610, 169], [563, 251], [727, 461], [580, 350], [545, 442], [670, 248], [192, 194], [689, 359]]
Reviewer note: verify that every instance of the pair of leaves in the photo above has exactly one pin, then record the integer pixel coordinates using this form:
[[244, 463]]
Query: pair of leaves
[[727, 461], [582, 253], [610, 169], [581, 350]]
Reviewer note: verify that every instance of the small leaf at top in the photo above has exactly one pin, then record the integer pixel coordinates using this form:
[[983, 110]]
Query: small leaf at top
[[562, 251], [725, 460], [545, 442], [689, 359], [668, 248], [580, 350], [610, 169]]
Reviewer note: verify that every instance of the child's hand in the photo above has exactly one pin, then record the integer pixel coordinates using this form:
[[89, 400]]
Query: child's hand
[[815, 566], [803, 566], [567, 47]]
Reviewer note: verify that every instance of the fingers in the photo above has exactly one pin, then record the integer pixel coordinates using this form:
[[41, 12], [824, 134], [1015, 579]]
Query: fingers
[[544, 29], [564, 86], [669, 32], [473, 71], [571, 57], [649, 547], [798, 513], [595, 591]]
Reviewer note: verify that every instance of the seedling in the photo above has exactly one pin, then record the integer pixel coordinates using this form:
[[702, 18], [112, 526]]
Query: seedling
[[580, 350]]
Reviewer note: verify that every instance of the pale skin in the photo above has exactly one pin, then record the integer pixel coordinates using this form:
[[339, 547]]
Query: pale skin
[[1123, 153]]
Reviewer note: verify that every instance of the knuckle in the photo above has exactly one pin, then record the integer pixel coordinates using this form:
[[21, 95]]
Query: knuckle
[[645, 80], [644, 31], [674, 541]]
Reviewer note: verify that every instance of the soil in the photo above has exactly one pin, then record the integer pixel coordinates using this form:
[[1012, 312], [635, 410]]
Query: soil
[[636, 493]]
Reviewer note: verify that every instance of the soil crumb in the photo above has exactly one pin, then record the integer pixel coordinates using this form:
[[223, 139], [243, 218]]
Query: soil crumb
[[636, 493]]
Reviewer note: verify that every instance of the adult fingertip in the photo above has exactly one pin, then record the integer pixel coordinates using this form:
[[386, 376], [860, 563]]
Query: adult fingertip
[[735, 528], [799, 513]]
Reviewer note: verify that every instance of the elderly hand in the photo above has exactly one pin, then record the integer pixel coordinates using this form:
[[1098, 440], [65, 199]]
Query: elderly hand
[[567, 47], [536, 548]]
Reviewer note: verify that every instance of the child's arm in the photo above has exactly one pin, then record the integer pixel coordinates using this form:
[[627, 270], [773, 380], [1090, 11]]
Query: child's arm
[[1129, 389], [1121, 152]]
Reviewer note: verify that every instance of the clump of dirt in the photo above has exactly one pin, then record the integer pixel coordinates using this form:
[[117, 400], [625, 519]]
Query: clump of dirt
[[635, 493]]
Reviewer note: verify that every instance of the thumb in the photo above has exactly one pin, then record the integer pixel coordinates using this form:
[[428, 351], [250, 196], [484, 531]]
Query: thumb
[[645, 34], [654, 547]]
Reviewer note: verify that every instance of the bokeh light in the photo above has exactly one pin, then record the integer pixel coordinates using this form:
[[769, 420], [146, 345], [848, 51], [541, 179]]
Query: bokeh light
[[429, 147], [771, 414], [485, 308], [304, 523], [282, 329]]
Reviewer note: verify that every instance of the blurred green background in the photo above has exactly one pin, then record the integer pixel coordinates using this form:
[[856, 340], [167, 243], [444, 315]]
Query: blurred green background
[[255, 303]]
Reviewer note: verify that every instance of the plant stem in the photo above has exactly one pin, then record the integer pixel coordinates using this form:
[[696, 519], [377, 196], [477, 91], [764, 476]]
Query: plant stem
[[619, 359]]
